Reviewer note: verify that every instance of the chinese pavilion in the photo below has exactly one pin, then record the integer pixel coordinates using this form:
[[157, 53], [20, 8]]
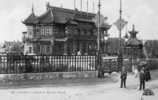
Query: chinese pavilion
[[134, 49], [134, 46], [61, 31]]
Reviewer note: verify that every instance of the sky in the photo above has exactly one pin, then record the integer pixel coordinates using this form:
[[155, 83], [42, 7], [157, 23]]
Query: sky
[[142, 13]]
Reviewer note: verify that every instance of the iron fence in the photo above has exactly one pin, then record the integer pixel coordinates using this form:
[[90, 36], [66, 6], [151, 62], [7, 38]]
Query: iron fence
[[15, 64]]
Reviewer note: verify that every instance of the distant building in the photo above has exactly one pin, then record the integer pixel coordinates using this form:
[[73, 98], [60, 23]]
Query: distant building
[[112, 46], [14, 47], [61, 31]]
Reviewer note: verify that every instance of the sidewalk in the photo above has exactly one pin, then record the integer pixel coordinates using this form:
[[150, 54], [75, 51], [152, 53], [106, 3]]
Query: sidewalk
[[56, 83], [77, 89]]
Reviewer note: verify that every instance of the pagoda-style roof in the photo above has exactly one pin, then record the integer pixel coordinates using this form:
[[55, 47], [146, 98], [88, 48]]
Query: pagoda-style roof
[[133, 41], [31, 19], [61, 16], [46, 18]]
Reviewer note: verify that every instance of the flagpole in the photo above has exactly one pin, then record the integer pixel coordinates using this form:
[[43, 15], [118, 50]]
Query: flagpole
[[81, 4], [120, 33], [74, 4], [99, 6], [120, 18], [87, 6], [93, 7]]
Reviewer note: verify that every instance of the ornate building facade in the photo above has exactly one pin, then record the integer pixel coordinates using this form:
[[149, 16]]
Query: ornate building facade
[[61, 31]]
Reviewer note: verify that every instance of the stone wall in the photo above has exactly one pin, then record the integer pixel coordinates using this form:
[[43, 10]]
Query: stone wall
[[45, 76]]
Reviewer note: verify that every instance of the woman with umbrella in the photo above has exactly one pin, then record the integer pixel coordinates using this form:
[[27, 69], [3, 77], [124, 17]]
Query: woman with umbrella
[[146, 70]]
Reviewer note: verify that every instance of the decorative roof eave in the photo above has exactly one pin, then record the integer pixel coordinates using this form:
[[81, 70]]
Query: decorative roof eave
[[71, 22], [46, 18], [30, 20], [84, 20], [105, 26], [134, 42]]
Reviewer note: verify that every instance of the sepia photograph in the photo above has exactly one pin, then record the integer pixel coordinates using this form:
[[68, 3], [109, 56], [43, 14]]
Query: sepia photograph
[[78, 50]]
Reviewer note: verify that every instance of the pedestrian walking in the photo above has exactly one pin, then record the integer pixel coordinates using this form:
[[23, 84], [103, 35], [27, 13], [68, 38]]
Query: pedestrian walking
[[142, 79], [123, 77], [147, 73]]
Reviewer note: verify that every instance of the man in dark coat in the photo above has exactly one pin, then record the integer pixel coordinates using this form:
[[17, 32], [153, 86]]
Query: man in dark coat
[[147, 73], [123, 78], [142, 79]]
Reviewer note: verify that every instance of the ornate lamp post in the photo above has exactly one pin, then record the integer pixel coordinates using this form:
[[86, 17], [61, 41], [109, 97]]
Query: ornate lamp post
[[126, 37], [106, 36], [101, 26], [98, 42]]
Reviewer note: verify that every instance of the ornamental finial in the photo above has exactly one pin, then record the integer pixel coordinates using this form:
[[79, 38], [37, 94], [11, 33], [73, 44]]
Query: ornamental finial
[[32, 8]]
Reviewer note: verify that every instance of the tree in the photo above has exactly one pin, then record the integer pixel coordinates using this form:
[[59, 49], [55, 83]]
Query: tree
[[16, 48], [13, 47]]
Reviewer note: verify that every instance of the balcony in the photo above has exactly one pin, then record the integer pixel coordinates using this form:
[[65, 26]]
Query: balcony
[[27, 39]]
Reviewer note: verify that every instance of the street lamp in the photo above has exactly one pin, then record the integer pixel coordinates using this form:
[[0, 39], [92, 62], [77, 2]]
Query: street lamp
[[106, 36], [98, 41], [126, 37]]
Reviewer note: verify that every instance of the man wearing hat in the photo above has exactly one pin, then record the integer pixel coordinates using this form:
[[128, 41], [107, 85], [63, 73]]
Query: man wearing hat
[[123, 77], [142, 79]]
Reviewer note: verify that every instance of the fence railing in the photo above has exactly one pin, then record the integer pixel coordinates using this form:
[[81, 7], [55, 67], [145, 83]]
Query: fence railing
[[12, 64]]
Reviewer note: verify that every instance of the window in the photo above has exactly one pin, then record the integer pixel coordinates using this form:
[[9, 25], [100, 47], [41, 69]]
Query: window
[[42, 31], [49, 31], [75, 32], [81, 32], [48, 49], [30, 49], [41, 49], [38, 48], [88, 32], [66, 30], [92, 32], [30, 31], [46, 30]]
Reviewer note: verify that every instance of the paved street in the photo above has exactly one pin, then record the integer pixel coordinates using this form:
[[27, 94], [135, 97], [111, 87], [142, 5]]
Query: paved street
[[80, 89]]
